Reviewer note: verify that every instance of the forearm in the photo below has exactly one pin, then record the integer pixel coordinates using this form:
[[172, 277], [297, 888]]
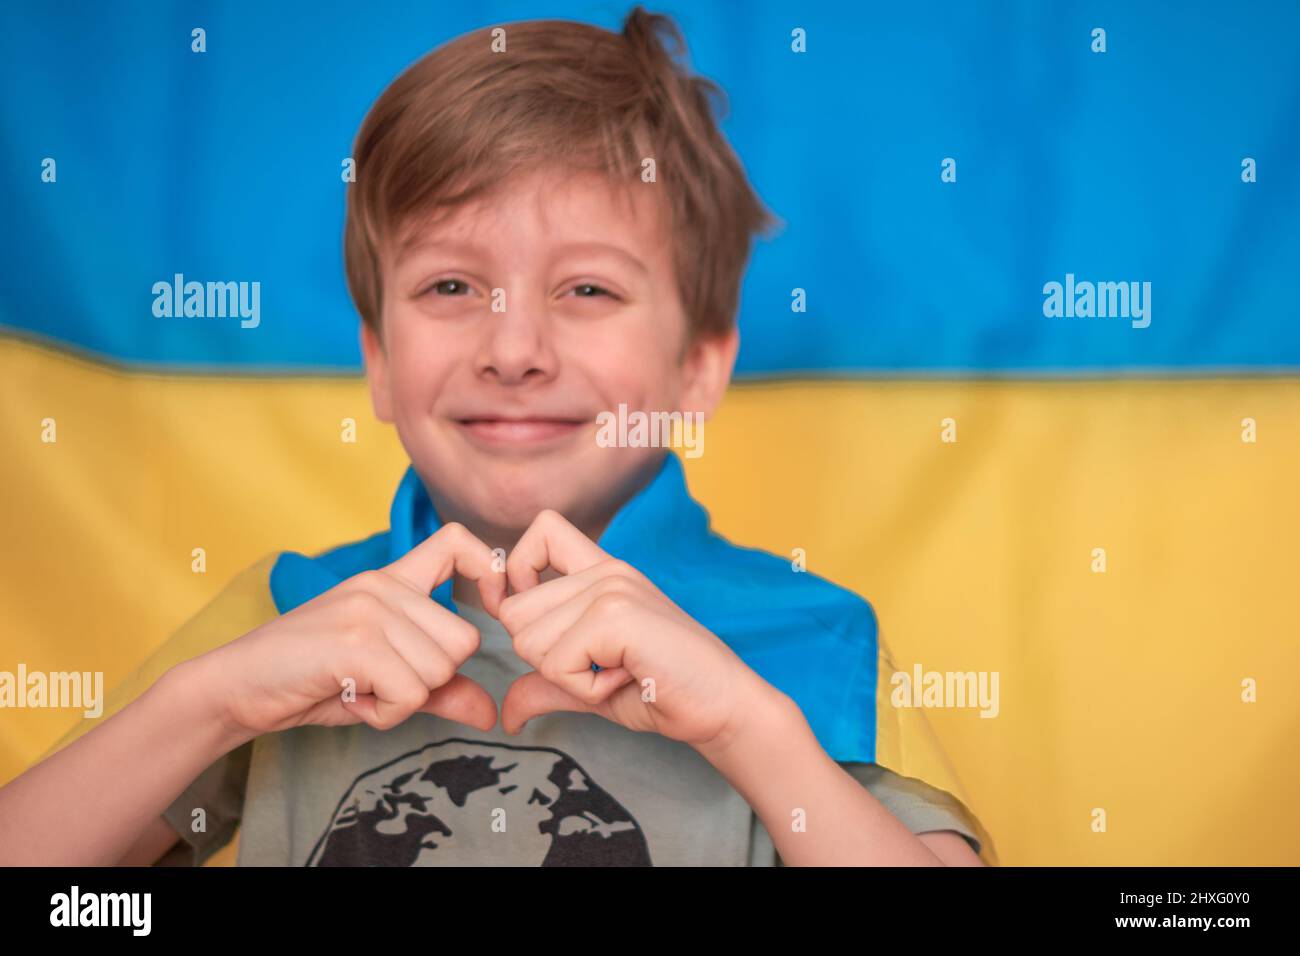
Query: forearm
[[87, 804], [815, 812]]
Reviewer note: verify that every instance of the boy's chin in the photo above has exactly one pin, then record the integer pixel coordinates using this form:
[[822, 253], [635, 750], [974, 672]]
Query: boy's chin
[[504, 498], [509, 507], [502, 526]]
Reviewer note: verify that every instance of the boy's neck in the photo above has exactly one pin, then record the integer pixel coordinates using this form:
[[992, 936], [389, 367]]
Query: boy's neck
[[465, 591], [591, 524]]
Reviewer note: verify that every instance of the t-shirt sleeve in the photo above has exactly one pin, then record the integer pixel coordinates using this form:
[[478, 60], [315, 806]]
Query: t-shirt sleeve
[[921, 807], [219, 793]]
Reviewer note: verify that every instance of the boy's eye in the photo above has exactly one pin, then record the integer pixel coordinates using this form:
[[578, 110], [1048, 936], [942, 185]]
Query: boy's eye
[[586, 289], [449, 287]]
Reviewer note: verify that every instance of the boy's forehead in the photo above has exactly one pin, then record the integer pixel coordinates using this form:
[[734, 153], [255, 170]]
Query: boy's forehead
[[574, 210]]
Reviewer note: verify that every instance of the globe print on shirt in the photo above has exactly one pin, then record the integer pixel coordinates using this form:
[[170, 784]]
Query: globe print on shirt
[[473, 802]]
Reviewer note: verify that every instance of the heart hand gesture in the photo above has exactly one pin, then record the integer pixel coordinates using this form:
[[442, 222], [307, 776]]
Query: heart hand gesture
[[659, 670]]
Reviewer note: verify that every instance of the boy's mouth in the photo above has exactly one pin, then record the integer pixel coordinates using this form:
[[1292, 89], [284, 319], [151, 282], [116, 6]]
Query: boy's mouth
[[517, 432]]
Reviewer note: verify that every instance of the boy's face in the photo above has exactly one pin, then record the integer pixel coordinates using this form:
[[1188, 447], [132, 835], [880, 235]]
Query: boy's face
[[510, 324]]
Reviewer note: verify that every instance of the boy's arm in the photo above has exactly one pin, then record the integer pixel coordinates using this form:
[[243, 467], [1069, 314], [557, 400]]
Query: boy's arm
[[816, 813], [243, 604], [940, 820], [219, 793], [152, 845], [401, 650], [132, 767], [657, 669], [950, 847]]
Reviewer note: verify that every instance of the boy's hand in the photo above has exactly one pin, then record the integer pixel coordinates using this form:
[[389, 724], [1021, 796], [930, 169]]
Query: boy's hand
[[379, 629], [660, 670]]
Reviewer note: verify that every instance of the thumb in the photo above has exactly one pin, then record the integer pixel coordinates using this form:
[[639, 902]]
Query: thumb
[[532, 695], [464, 701]]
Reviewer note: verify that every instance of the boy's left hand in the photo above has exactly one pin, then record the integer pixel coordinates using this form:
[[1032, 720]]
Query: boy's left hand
[[660, 670]]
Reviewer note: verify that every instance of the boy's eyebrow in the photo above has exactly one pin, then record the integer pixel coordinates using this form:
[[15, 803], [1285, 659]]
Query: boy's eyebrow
[[597, 247], [415, 244]]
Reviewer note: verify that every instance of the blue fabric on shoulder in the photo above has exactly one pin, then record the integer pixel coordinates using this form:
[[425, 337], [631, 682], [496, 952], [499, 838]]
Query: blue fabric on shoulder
[[812, 639]]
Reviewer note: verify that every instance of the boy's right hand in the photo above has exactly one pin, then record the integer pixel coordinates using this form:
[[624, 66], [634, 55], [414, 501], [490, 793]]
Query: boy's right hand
[[380, 629]]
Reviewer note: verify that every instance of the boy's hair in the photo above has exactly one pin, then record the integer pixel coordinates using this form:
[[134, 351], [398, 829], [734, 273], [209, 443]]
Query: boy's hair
[[463, 118]]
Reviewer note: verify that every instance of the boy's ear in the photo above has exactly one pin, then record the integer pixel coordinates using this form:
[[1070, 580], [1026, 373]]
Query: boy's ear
[[372, 351], [709, 364]]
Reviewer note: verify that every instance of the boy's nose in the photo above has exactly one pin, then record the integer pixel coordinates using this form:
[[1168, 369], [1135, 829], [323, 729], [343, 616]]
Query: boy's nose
[[517, 345]]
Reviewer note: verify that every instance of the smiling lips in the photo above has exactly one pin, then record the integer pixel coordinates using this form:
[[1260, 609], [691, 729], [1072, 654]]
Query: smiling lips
[[522, 431]]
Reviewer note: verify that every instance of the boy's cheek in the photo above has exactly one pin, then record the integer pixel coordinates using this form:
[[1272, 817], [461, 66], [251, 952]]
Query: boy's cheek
[[643, 377], [420, 377]]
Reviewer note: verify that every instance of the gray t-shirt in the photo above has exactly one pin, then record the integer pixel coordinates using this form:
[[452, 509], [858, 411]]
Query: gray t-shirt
[[570, 790]]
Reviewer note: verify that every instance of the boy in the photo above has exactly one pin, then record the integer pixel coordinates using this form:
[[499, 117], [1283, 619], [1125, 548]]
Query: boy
[[537, 235]]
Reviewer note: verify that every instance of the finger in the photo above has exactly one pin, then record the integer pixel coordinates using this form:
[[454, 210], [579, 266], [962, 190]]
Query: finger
[[451, 632], [553, 618], [454, 634], [524, 608], [388, 690], [550, 542], [464, 701], [451, 549], [532, 695], [567, 664], [419, 649]]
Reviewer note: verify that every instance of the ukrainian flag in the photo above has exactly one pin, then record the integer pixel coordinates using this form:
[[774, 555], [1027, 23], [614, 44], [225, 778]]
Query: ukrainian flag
[[1021, 368]]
